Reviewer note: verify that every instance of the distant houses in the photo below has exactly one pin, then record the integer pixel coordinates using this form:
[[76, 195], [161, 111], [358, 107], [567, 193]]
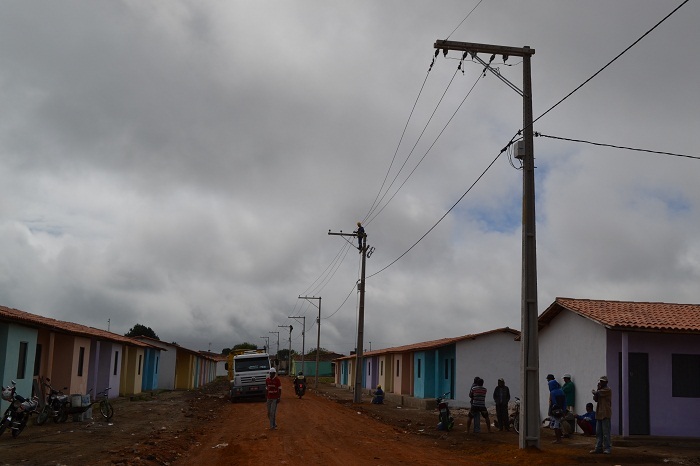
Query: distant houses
[[88, 360]]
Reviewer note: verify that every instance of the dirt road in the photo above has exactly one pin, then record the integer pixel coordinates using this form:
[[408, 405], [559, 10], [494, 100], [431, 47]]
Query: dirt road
[[201, 427]]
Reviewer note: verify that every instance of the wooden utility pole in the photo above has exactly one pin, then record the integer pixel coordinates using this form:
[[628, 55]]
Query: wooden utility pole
[[318, 335], [529, 364], [357, 396]]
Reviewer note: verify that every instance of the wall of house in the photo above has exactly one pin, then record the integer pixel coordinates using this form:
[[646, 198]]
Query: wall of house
[[668, 415], [101, 376], [575, 345], [490, 356], [11, 337]]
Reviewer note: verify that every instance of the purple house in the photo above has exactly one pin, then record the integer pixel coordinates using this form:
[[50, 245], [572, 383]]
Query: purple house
[[650, 353]]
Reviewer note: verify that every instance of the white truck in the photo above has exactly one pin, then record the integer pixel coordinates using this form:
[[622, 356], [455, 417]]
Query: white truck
[[247, 372]]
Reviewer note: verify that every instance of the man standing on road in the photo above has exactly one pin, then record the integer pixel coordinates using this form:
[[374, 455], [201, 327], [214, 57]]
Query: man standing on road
[[501, 395], [603, 412], [273, 387]]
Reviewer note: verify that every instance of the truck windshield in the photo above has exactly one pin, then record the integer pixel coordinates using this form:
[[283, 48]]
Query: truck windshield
[[252, 364]]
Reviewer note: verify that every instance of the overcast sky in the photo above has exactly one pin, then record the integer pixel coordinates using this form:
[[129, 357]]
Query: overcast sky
[[179, 164]]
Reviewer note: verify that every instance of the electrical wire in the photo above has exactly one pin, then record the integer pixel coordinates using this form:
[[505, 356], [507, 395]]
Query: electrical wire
[[615, 146], [441, 218], [609, 63], [431, 145], [465, 18]]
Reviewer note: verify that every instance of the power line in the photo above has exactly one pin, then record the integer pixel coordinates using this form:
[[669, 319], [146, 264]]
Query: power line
[[441, 218], [609, 63], [615, 146], [431, 145], [465, 18]]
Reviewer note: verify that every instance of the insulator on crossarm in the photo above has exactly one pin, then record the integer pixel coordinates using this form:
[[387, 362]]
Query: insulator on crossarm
[[436, 52], [492, 57], [444, 52], [505, 58], [464, 55]]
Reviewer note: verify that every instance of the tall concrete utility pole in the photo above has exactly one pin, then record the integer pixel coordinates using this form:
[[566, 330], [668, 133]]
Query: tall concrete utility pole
[[289, 354], [277, 354], [357, 396], [318, 336], [529, 364], [267, 345], [303, 337]]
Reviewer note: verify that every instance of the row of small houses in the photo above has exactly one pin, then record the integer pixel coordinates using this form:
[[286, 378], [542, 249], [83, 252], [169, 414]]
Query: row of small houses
[[650, 353], [88, 360]]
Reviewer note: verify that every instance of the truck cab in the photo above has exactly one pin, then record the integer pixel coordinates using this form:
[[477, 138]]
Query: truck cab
[[247, 373]]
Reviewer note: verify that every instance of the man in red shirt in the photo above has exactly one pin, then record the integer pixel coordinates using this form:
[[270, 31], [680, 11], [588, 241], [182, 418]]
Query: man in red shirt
[[273, 387]]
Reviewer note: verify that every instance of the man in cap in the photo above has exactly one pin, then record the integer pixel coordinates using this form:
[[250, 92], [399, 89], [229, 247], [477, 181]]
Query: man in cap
[[273, 387], [603, 412], [570, 393]]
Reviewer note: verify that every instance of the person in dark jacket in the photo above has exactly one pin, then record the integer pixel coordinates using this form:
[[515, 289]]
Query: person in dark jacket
[[557, 408], [501, 395]]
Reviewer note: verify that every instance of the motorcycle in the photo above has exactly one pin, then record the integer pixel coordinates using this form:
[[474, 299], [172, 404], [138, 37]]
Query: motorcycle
[[56, 405], [446, 421], [300, 386], [18, 413]]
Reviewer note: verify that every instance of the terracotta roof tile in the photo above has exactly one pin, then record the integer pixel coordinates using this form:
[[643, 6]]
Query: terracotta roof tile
[[432, 344], [630, 315], [15, 315]]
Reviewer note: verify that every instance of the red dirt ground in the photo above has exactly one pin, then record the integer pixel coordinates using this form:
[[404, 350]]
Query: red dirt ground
[[324, 428]]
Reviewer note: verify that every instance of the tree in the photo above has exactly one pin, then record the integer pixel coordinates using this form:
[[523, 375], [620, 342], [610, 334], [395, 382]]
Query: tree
[[284, 354], [139, 330], [225, 351], [244, 346]]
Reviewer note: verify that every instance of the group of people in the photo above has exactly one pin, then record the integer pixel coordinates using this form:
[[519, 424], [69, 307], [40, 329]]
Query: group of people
[[593, 422], [477, 397], [562, 400]]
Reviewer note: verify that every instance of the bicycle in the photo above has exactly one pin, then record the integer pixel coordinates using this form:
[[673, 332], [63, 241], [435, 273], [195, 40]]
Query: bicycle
[[106, 408]]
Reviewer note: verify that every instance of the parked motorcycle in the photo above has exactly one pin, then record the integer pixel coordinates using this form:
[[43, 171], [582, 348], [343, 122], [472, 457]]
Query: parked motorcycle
[[446, 421], [300, 385], [18, 413], [56, 406]]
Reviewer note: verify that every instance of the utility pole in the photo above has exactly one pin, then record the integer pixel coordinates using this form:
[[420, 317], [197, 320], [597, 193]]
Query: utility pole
[[289, 354], [303, 337], [277, 355], [267, 347], [529, 364], [318, 336], [357, 396]]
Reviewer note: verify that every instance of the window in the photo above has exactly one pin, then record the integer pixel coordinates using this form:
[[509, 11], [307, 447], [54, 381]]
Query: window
[[81, 360], [22, 360], [381, 367], [397, 368], [157, 364], [116, 362], [369, 367], [139, 369], [419, 368], [685, 375], [447, 370]]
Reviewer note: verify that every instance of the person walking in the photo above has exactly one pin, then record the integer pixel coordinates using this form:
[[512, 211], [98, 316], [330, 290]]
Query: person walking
[[603, 412], [273, 386], [501, 395]]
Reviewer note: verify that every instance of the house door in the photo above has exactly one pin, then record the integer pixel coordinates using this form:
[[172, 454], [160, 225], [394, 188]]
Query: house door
[[638, 392]]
